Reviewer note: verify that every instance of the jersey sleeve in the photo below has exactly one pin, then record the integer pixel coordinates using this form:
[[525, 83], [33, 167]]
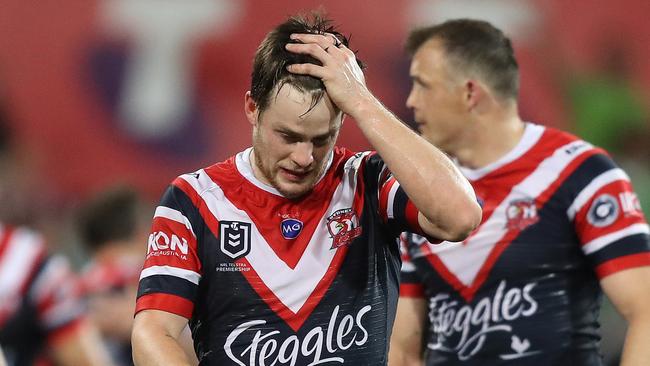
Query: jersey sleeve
[[607, 217], [393, 205], [172, 269], [410, 283]]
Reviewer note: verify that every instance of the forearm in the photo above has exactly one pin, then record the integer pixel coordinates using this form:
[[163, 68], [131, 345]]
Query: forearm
[[427, 175], [155, 347], [636, 350]]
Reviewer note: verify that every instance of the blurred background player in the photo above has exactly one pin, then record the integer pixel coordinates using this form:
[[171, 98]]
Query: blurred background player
[[561, 224], [113, 226], [42, 318], [112, 230]]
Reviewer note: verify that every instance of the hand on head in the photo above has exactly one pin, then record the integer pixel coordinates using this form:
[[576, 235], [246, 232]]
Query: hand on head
[[340, 71]]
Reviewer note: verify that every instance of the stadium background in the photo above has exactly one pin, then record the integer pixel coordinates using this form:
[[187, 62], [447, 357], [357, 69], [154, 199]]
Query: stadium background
[[139, 91]]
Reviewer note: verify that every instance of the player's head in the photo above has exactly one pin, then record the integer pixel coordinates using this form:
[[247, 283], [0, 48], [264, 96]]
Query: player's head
[[111, 217], [457, 67], [295, 124]]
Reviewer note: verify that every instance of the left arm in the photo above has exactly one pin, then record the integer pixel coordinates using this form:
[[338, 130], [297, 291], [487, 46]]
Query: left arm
[[445, 199], [629, 291]]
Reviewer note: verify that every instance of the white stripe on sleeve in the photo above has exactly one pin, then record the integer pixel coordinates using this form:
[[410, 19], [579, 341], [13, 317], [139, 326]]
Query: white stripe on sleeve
[[171, 271], [390, 211], [603, 241], [597, 183], [174, 215]]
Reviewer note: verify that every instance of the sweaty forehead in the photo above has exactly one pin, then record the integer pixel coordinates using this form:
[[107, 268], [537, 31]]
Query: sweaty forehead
[[292, 109]]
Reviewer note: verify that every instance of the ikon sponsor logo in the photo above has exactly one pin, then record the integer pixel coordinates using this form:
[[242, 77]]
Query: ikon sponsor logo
[[630, 203], [464, 329], [161, 243], [258, 344], [291, 228]]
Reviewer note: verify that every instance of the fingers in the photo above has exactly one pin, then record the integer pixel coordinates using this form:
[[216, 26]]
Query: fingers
[[307, 69], [326, 48], [324, 40]]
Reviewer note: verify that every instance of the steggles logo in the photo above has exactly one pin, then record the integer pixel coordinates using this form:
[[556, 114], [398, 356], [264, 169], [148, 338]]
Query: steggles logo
[[319, 346], [464, 329]]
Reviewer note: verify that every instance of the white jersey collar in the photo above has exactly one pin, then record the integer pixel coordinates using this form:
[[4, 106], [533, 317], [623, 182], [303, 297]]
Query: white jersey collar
[[243, 164]]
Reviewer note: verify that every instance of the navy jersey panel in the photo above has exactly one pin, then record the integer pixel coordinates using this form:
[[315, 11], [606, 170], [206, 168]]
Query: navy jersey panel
[[523, 289], [266, 280]]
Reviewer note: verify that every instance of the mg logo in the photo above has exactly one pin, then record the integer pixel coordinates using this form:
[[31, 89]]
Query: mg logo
[[291, 228], [235, 238]]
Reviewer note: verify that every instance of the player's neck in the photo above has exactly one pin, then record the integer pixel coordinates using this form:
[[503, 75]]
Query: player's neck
[[257, 172], [491, 139]]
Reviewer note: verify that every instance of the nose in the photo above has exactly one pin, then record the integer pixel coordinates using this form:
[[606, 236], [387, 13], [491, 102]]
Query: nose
[[410, 101], [303, 154]]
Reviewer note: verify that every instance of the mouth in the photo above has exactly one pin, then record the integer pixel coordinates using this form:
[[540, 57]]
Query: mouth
[[418, 125], [294, 176]]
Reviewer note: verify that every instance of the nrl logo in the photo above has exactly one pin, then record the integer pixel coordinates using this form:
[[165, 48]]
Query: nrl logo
[[343, 226], [235, 238]]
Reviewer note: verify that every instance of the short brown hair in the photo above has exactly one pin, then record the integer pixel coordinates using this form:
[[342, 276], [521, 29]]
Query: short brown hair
[[271, 59], [474, 45]]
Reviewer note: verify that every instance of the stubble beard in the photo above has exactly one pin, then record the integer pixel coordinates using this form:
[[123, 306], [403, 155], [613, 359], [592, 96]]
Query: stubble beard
[[273, 181]]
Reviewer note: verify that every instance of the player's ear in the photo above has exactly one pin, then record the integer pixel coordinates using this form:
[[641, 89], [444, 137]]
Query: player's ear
[[250, 108], [474, 93]]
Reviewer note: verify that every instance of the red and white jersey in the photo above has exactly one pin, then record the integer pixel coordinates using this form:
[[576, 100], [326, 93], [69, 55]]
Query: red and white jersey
[[558, 216], [268, 280], [39, 296]]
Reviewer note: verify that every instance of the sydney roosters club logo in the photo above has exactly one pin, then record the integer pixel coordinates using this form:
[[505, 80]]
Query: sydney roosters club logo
[[343, 226], [521, 214]]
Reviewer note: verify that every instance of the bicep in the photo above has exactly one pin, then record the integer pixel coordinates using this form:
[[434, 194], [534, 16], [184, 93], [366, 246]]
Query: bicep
[[156, 322], [629, 291], [155, 338]]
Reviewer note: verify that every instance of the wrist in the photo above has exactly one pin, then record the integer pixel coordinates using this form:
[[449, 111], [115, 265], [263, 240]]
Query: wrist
[[365, 108]]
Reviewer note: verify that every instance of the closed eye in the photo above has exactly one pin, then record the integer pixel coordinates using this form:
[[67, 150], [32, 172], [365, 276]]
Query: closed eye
[[321, 141]]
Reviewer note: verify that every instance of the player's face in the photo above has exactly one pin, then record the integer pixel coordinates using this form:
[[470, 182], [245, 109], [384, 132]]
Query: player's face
[[291, 145], [437, 98]]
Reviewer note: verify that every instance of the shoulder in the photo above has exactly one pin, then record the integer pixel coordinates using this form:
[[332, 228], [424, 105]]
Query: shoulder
[[195, 184]]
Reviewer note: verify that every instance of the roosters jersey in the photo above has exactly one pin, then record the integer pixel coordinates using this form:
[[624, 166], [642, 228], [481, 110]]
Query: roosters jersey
[[269, 281], [522, 289], [39, 297]]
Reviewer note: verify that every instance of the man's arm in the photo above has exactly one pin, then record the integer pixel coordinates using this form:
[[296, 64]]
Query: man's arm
[[155, 338], [629, 291], [445, 199], [406, 340], [80, 346]]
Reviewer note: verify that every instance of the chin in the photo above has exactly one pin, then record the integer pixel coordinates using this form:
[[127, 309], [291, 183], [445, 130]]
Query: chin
[[293, 191]]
